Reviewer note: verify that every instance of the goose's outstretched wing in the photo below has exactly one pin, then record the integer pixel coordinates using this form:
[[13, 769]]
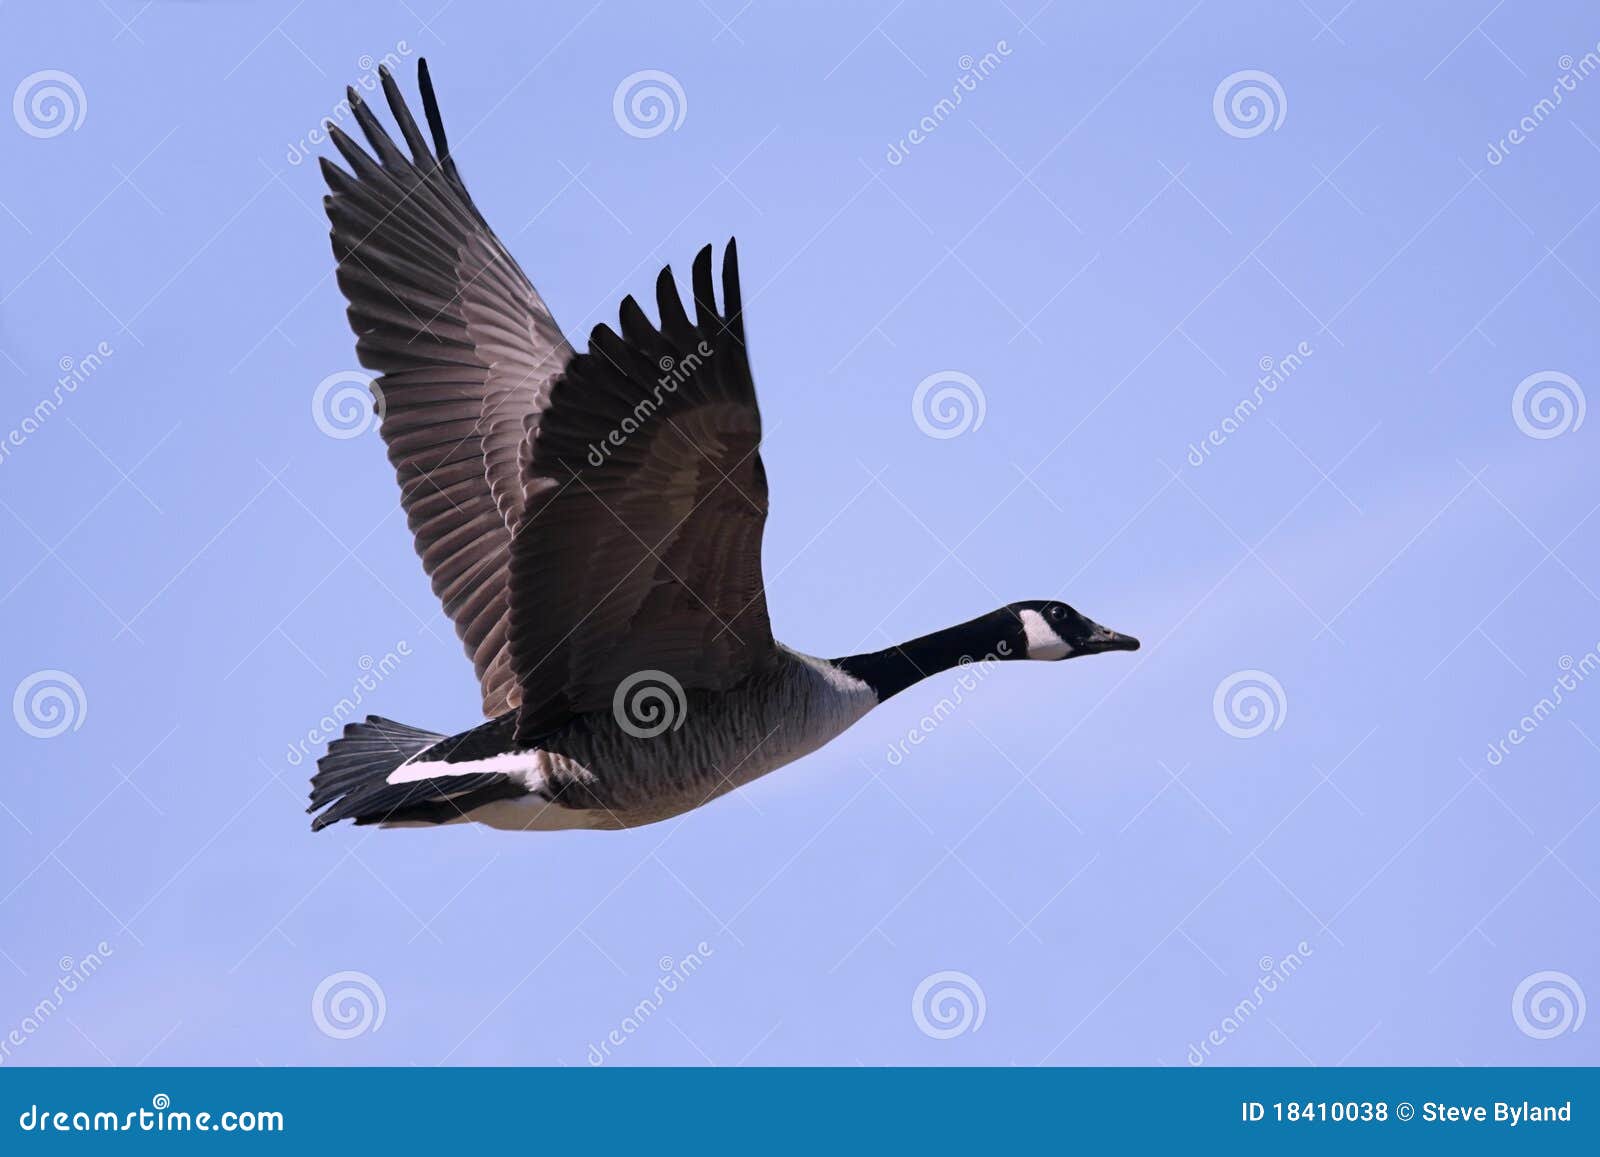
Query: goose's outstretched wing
[[639, 547], [466, 350]]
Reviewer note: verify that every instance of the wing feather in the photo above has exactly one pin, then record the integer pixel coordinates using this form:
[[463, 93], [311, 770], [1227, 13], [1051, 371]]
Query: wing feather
[[466, 350]]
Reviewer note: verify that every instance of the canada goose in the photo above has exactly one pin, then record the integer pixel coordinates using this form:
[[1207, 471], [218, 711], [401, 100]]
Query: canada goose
[[592, 522]]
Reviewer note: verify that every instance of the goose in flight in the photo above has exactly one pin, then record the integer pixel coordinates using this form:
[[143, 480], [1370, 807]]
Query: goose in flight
[[592, 523]]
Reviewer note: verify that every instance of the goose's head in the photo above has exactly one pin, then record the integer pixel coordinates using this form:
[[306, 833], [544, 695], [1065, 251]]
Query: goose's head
[[1048, 629]]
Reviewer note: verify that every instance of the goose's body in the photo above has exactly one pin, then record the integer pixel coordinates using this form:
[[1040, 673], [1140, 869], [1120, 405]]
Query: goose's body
[[595, 773], [592, 522]]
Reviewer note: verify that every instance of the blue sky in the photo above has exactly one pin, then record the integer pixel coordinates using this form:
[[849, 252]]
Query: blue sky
[[1095, 855]]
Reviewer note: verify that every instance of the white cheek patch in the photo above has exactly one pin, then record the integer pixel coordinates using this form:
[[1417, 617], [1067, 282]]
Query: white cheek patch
[[1043, 643]]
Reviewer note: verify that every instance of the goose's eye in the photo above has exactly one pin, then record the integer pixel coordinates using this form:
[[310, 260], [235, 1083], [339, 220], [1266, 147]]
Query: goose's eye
[[1057, 612]]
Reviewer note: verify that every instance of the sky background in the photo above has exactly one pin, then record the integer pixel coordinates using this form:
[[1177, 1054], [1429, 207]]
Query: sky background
[[1107, 865]]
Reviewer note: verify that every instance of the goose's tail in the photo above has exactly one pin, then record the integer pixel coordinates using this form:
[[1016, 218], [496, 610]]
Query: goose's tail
[[358, 765]]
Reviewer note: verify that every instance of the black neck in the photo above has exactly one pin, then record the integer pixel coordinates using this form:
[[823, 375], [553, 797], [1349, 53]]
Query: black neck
[[888, 672]]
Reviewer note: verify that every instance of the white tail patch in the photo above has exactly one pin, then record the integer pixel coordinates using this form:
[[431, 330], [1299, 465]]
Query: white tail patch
[[522, 764]]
